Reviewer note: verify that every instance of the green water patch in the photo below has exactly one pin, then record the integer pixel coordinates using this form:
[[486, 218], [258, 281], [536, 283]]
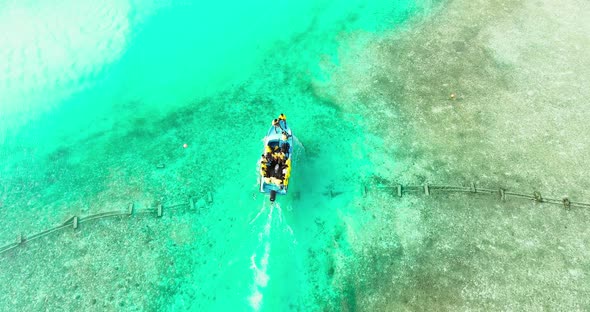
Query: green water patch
[[165, 54], [183, 113], [298, 250], [223, 137]]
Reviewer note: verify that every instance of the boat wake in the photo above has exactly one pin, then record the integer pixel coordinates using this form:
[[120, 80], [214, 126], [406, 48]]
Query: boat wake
[[299, 150], [260, 258]]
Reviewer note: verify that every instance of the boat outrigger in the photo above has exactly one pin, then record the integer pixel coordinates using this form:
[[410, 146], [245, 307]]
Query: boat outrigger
[[275, 163]]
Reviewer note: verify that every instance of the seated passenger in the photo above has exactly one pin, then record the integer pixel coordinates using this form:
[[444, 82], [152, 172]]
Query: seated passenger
[[279, 155], [282, 117], [263, 169], [275, 122], [285, 147], [276, 170]]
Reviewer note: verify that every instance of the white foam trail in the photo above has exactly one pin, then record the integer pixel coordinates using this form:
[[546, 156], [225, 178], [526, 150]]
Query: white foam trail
[[255, 299], [280, 212], [259, 263], [259, 212], [299, 144], [299, 150], [260, 276]]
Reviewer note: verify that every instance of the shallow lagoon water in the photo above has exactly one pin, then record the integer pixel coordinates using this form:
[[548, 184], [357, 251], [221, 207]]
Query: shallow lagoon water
[[95, 112], [97, 96]]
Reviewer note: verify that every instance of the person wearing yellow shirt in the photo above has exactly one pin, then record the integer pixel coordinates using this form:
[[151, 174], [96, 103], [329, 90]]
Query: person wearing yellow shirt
[[263, 169]]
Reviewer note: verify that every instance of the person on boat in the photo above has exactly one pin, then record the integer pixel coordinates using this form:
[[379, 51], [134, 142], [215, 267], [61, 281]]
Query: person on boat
[[274, 156], [282, 117], [266, 158], [268, 153], [273, 180], [275, 123], [284, 172], [278, 159], [285, 147], [263, 170], [276, 170]]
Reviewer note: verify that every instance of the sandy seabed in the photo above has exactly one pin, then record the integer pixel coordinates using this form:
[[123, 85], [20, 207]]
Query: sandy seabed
[[490, 92]]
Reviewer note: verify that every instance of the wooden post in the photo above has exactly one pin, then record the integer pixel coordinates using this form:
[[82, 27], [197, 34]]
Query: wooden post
[[502, 194], [473, 189], [159, 210], [19, 239], [566, 203], [364, 190], [75, 222], [537, 196], [200, 203], [399, 190], [68, 220], [130, 208], [426, 189], [191, 203], [209, 197]]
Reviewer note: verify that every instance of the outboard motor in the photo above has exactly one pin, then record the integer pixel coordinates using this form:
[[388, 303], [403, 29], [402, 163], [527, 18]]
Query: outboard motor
[[273, 196]]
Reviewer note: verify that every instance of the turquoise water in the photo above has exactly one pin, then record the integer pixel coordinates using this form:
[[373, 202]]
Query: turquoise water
[[95, 96]]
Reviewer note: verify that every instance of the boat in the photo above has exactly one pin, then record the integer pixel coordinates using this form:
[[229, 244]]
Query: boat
[[274, 167]]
